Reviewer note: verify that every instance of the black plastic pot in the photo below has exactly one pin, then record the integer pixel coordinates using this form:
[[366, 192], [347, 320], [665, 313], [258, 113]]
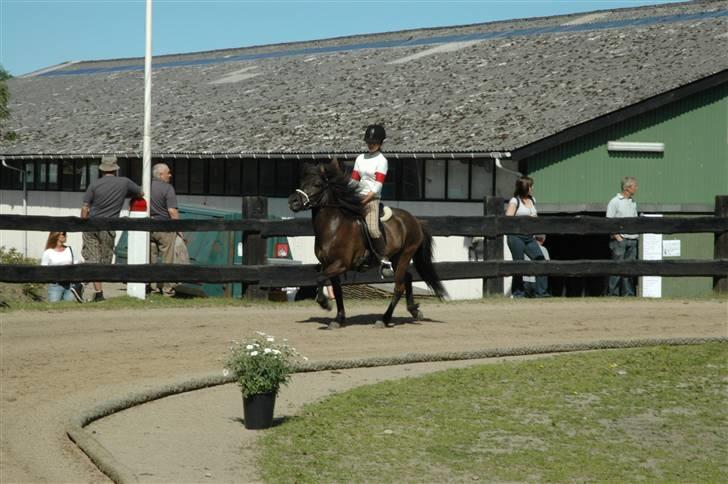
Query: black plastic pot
[[258, 410]]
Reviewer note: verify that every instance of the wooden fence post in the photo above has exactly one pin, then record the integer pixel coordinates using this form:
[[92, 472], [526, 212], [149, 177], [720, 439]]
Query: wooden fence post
[[255, 247], [720, 251], [493, 247]]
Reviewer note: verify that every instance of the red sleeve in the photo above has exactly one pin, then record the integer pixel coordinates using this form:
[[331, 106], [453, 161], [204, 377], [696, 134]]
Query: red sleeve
[[355, 175], [379, 177]]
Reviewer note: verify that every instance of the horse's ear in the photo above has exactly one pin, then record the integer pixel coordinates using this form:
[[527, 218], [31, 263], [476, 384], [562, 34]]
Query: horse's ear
[[335, 164]]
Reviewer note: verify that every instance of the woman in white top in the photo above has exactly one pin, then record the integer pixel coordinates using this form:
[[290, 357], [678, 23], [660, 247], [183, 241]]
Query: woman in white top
[[524, 205], [370, 171], [58, 254]]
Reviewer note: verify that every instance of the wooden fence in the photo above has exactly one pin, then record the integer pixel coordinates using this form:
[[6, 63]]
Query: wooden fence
[[491, 226]]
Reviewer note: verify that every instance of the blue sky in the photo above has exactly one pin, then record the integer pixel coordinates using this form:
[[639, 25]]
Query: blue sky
[[35, 34]]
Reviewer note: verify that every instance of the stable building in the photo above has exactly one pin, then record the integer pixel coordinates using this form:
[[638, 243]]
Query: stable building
[[575, 101]]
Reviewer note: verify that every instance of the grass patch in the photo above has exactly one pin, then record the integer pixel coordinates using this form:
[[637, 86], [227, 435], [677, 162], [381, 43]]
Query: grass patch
[[655, 414]]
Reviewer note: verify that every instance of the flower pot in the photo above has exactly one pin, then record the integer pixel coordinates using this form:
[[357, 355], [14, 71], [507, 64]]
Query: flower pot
[[258, 410]]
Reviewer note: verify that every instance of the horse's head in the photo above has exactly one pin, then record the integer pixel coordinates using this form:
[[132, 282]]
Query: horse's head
[[315, 179]]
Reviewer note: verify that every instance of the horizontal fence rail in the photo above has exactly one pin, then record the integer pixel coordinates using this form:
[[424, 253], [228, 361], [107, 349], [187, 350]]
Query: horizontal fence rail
[[489, 226], [305, 275]]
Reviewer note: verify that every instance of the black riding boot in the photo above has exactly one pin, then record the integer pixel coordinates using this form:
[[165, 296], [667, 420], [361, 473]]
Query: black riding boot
[[385, 269]]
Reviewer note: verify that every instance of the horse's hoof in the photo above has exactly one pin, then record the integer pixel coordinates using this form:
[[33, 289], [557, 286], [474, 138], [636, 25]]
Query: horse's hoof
[[324, 305], [334, 325], [418, 315], [380, 324]]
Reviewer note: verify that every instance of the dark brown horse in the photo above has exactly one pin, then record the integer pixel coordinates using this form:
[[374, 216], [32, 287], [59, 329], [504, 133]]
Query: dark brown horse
[[341, 246]]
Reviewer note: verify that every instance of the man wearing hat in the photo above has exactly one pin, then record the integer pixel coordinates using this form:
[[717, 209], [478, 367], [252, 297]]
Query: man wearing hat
[[104, 198]]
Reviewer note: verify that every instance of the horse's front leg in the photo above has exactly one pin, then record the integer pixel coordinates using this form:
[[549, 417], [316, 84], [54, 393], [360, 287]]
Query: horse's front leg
[[332, 273], [321, 297]]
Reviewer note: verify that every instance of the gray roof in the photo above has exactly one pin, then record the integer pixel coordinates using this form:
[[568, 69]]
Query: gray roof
[[489, 87]]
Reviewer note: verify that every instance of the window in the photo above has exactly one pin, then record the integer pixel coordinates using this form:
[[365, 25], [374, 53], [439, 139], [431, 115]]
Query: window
[[197, 176], [286, 179], [12, 179], [481, 179], [53, 170], [80, 177], [66, 175], [233, 172], [267, 178], [389, 190], [435, 179], [93, 170], [412, 176], [250, 177], [217, 177], [457, 179], [181, 175]]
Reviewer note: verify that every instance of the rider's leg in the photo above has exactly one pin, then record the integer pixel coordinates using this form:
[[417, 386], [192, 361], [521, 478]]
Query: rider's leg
[[372, 220]]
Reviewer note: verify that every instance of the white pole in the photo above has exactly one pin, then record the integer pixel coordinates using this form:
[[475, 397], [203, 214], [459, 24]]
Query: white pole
[[138, 242], [147, 156]]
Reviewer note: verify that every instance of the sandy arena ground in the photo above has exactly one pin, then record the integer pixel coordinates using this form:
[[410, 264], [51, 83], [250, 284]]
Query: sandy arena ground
[[55, 364]]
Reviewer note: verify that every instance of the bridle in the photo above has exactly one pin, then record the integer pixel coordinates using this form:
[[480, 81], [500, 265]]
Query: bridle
[[307, 200]]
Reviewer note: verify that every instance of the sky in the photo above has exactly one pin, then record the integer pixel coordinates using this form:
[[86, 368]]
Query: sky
[[35, 34]]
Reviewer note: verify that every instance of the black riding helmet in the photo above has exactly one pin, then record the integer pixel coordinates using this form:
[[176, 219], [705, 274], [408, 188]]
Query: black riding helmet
[[375, 134]]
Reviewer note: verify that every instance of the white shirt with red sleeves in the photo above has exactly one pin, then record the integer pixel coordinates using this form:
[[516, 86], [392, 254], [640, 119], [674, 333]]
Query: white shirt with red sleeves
[[370, 171]]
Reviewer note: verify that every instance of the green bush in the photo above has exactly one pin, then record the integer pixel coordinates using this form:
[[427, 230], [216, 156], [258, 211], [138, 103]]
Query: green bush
[[18, 292]]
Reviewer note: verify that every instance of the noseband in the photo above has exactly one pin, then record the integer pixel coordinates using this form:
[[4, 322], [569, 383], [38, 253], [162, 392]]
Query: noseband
[[307, 201]]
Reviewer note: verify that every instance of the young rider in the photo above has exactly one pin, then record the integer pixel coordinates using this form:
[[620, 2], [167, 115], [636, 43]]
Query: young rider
[[370, 170]]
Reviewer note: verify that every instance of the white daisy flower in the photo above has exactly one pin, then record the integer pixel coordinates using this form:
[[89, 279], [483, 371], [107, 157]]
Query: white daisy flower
[[225, 372], [253, 353], [249, 347], [267, 350]]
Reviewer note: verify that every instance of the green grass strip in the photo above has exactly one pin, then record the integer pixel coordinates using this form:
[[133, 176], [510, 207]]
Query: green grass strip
[[652, 414]]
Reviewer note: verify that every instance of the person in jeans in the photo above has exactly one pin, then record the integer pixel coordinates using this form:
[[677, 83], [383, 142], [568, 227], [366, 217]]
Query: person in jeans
[[529, 282], [57, 253], [524, 205], [104, 197], [163, 206], [623, 246]]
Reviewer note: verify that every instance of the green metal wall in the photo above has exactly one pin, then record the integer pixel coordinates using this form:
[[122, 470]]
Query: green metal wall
[[693, 168]]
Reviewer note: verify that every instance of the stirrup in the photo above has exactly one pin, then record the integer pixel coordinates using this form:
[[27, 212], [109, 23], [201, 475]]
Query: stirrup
[[385, 269]]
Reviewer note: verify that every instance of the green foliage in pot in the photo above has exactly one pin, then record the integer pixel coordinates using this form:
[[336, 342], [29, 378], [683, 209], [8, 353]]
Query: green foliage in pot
[[260, 364]]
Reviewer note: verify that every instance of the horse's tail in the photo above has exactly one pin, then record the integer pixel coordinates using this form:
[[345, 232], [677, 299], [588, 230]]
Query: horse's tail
[[424, 266]]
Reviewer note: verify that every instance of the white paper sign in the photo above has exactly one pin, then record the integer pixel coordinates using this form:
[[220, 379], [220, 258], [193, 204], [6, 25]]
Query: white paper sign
[[652, 250], [670, 248]]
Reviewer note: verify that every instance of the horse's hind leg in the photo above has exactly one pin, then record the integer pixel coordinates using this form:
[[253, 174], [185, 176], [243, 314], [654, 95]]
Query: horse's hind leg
[[412, 306], [399, 287], [339, 295]]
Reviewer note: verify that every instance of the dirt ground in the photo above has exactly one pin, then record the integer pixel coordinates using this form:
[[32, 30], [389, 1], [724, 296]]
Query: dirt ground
[[55, 364]]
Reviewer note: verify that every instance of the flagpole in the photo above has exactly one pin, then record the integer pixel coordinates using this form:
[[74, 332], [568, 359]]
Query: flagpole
[[138, 242], [147, 154]]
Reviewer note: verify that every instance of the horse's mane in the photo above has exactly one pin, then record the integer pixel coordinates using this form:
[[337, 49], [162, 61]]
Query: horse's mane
[[340, 191]]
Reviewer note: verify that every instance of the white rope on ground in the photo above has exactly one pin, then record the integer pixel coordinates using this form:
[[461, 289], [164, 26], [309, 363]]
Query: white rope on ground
[[121, 474]]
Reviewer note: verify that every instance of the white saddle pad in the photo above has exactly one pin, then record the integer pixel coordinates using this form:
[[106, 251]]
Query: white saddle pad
[[386, 214]]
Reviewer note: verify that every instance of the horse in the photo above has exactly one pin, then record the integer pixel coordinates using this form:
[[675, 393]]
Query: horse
[[340, 243]]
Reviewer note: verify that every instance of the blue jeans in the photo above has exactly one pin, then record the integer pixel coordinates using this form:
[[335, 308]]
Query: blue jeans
[[58, 292], [625, 249], [526, 244]]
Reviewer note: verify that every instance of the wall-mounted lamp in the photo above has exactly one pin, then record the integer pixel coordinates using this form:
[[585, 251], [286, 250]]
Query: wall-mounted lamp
[[635, 146]]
